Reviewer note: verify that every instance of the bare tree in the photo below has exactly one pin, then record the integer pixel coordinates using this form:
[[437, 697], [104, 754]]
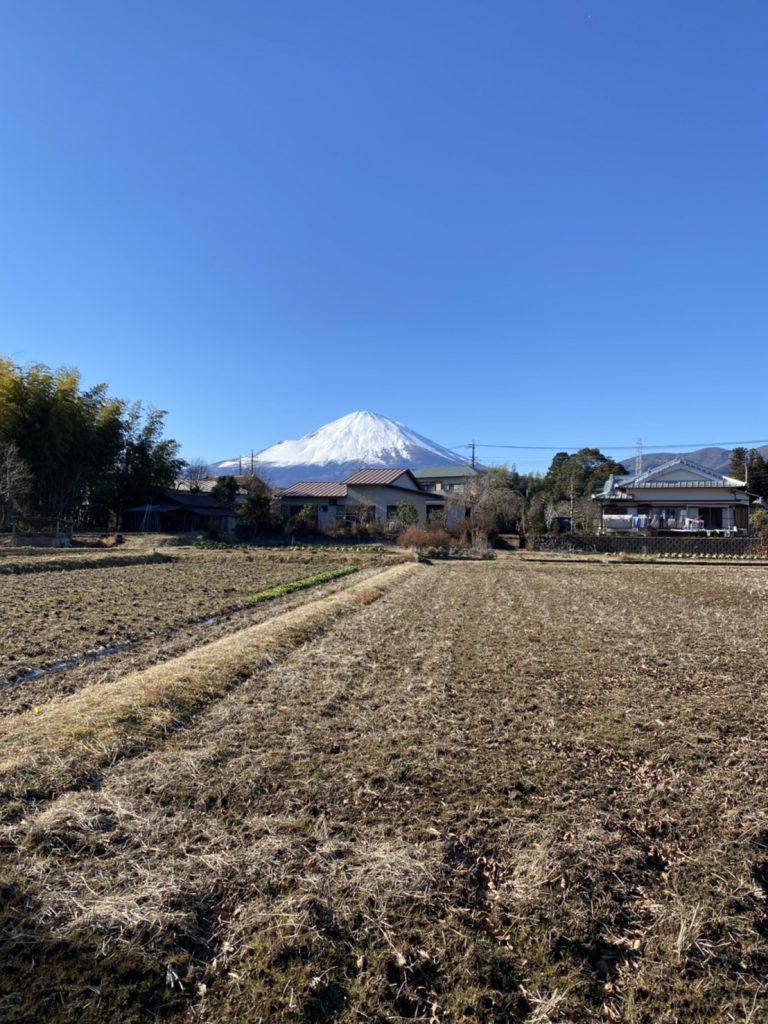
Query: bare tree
[[195, 472], [15, 481], [493, 503]]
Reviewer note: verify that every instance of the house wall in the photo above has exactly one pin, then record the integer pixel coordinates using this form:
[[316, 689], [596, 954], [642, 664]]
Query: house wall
[[688, 495], [692, 500], [380, 497], [445, 484], [405, 481], [325, 511]]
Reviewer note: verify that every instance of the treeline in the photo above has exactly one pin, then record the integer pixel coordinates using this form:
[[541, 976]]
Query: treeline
[[79, 454], [503, 499], [561, 498], [748, 464]]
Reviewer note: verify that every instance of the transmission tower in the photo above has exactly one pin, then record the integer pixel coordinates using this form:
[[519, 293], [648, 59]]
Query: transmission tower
[[639, 457]]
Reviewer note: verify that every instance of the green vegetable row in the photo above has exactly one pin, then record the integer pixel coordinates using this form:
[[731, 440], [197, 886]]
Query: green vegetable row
[[303, 584]]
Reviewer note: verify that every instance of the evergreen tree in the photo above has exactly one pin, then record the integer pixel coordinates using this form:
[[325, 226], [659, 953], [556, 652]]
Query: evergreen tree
[[737, 463], [225, 490], [579, 475]]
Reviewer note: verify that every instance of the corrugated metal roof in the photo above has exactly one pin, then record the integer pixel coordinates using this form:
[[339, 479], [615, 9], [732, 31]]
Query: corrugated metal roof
[[152, 508], [376, 476], [315, 489], [195, 502]]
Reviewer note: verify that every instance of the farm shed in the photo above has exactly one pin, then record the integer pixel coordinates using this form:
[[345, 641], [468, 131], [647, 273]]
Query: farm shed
[[679, 496], [179, 512], [41, 532]]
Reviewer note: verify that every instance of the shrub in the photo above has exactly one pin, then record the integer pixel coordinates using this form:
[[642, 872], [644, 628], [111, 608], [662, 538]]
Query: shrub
[[419, 537], [304, 523], [758, 545], [406, 514]]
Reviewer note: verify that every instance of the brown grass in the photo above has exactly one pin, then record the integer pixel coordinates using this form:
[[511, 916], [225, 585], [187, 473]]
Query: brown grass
[[507, 792]]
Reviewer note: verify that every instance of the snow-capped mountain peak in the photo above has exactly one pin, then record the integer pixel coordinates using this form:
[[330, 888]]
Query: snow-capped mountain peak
[[333, 451]]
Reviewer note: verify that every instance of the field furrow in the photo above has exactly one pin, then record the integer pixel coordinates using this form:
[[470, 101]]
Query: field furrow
[[46, 617], [510, 791]]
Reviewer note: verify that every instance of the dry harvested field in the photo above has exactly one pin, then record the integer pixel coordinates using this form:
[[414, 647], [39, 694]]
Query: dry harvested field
[[519, 791]]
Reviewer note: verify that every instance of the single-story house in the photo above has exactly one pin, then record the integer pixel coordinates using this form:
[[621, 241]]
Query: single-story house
[[679, 496], [369, 495], [446, 479], [179, 512]]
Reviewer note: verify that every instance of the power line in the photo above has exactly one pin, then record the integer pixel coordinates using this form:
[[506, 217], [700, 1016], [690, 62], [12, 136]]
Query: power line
[[611, 447]]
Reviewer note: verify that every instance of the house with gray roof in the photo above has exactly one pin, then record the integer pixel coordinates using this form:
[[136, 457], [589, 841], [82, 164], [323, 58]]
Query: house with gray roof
[[446, 479], [680, 496]]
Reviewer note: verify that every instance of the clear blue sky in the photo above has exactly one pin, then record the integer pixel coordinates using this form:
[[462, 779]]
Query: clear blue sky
[[526, 222]]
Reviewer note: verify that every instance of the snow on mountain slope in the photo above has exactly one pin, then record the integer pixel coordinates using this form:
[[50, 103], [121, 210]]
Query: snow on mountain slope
[[333, 451]]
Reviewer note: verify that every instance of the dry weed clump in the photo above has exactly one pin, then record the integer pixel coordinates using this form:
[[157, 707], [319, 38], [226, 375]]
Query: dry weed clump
[[367, 596], [424, 537]]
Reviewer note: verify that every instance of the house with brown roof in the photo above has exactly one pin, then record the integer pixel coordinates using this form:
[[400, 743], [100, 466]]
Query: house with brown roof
[[369, 495]]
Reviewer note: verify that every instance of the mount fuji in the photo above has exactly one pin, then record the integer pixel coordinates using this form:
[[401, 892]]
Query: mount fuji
[[360, 440]]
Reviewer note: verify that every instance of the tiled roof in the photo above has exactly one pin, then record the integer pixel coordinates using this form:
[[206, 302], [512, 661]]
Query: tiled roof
[[375, 476], [315, 489], [618, 486]]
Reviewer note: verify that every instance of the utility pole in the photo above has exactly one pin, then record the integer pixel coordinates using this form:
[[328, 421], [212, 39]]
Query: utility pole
[[472, 446], [639, 457], [251, 461]]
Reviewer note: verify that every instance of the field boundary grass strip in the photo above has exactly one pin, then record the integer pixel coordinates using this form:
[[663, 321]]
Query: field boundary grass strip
[[77, 561], [62, 744], [303, 584]]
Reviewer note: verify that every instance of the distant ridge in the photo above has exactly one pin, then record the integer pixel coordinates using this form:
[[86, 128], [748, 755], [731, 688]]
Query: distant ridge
[[360, 440], [716, 459]]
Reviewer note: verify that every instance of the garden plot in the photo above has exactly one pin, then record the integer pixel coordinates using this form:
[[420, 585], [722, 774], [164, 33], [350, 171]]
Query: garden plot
[[505, 792], [50, 616]]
